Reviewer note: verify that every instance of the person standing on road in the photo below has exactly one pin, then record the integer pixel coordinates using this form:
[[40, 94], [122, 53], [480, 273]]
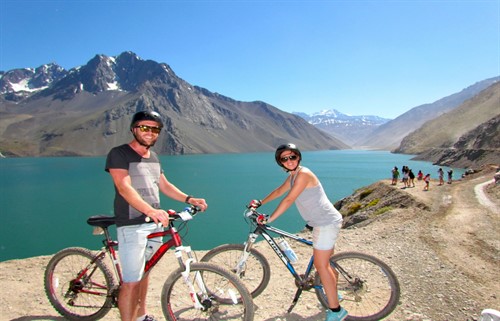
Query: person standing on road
[[406, 177], [305, 189], [450, 176], [441, 176], [395, 175], [411, 178], [427, 180], [138, 179]]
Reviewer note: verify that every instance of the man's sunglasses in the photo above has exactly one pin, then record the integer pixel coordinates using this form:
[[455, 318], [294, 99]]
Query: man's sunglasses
[[291, 157], [144, 128]]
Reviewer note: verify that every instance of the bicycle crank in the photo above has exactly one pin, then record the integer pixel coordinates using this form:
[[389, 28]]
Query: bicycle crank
[[305, 284]]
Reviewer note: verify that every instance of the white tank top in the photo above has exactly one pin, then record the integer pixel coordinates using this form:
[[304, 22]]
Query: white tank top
[[314, 206]]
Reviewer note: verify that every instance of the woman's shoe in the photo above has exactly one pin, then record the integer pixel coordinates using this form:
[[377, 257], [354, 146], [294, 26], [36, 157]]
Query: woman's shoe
[[336, 316]]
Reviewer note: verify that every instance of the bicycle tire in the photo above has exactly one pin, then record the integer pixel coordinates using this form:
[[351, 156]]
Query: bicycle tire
[[228, 298], [64, 290], [257, 272], [373, 292]]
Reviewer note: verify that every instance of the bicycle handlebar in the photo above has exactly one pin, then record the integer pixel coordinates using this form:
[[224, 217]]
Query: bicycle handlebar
[[254, 215], [182, 215]]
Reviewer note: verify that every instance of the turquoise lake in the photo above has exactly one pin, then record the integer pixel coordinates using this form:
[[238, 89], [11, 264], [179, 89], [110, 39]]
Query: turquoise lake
[[45, 202]]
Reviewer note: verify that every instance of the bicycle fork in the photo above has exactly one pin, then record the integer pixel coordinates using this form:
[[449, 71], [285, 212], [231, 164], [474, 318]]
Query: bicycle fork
[[239, 269], [206, 300], [187, 279]]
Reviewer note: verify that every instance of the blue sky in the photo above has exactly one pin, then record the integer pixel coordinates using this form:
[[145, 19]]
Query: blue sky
[[359, 57]]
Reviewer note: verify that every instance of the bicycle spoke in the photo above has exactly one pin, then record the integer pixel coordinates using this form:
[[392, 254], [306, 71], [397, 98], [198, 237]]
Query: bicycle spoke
[[254, 272], [367, 286], [219, 298], [75, 291]]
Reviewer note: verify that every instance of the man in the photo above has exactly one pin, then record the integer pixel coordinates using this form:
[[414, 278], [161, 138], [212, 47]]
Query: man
[[138, 180]]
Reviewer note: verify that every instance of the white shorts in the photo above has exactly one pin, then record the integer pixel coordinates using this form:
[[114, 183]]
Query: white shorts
[[132, 241], [324, 237]]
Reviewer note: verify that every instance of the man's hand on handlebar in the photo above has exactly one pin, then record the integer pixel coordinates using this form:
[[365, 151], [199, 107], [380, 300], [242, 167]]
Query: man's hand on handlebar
[[158, 216], [254, 204], [200, 203]]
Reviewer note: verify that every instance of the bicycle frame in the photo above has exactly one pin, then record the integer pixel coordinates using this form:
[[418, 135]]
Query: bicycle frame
[[301, 280], [173, 241], [263, 230], [81, 284], [369, 286]]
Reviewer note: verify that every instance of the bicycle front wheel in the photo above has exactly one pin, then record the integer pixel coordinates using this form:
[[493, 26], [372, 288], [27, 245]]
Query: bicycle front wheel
[[79, 285], [255, 272], [368, 288], [208, 292]]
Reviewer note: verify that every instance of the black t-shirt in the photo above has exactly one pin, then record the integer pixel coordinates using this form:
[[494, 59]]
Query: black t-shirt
[[145, 176]]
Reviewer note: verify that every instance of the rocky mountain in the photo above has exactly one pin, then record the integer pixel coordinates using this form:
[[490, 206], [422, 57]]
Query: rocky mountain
[[389, 135], [18, 84], [87, 110], [347, 128], [468, 135]]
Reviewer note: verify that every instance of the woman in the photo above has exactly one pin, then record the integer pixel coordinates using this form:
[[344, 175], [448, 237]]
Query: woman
[[441, 176], [395, 176], [427, 180], [306, 191]]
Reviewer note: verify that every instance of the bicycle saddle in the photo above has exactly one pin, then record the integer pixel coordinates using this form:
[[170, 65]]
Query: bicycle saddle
[[101, 221]]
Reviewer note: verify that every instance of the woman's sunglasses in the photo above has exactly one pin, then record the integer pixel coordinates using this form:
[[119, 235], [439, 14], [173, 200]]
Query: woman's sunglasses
[[144, 128], [291, 157]]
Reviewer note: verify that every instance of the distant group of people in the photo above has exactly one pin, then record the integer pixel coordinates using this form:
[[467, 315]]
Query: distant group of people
[[441, 176], [408, 177]]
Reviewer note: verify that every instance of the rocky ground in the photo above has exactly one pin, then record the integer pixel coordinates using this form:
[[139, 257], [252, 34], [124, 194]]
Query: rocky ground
[[446, 256]]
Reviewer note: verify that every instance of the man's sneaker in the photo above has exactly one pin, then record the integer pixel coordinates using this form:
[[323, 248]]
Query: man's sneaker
[[336, 316], [149, 318]]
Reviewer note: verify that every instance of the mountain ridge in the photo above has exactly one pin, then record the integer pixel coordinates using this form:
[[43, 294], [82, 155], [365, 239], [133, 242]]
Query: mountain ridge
[[87, 110], [466, 136], [350, 129], [84, 111], [389, 135]]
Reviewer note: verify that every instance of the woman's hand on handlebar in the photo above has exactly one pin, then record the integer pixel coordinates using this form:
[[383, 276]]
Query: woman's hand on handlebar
[[254, 204], [262, 219], [257, 217]]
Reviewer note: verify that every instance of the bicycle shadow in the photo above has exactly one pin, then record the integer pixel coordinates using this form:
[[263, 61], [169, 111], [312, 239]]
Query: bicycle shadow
[[39, 317], [296, 317], [285, 316]]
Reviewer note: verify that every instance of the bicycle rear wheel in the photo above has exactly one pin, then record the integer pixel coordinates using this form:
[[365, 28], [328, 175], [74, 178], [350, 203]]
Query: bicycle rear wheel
[[369, 288], [255, 271], [79, 285], [220, 294]]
